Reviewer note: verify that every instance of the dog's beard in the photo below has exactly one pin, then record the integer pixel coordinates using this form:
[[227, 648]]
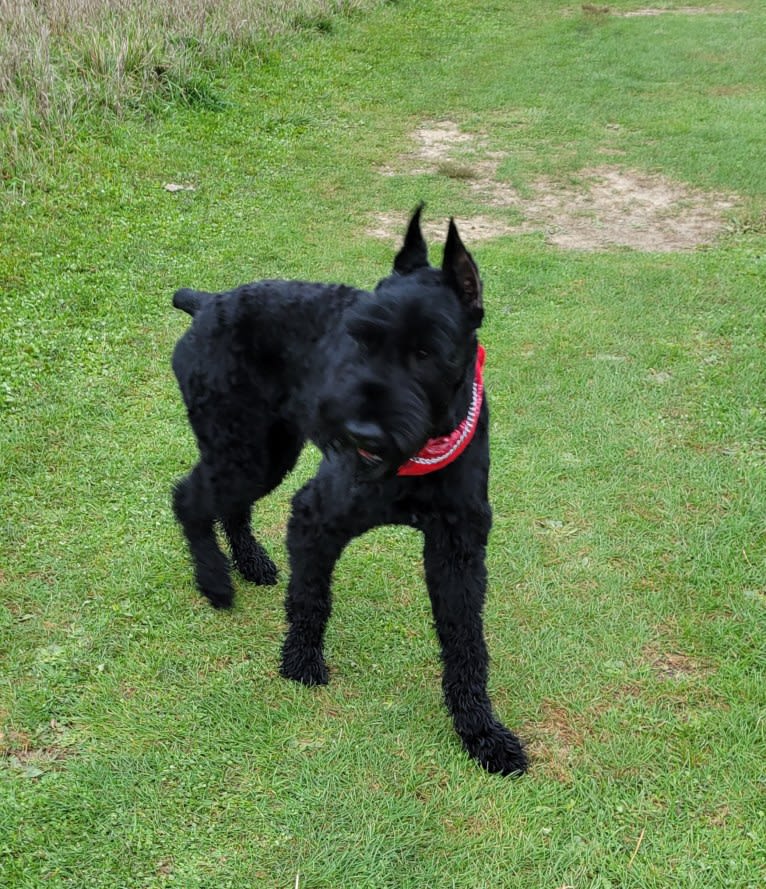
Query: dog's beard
[[383, 459], [373, 467], [368, 466], [404, 437], [379, 434]]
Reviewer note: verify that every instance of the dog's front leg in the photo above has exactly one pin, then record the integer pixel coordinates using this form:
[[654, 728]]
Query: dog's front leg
[[314, 547], [456, 577]]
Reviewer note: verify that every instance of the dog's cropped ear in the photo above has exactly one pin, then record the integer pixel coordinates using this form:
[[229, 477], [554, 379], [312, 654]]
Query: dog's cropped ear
[[414, 253], [461, 273]]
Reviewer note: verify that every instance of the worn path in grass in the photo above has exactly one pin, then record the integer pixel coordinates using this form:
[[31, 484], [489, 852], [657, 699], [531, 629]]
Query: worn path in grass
[[148, 741]]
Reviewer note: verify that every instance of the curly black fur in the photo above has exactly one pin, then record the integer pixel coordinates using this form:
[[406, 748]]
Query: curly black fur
[[368, 377]]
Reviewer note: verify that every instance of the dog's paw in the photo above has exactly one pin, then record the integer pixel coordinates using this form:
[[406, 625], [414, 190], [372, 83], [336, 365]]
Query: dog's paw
[[219, 598], [252, 561], [257, 568], [498, 750], [216, 589], [306, 665]]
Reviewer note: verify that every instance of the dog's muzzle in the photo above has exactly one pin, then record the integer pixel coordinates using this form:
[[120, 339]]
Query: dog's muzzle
[[372, 446]]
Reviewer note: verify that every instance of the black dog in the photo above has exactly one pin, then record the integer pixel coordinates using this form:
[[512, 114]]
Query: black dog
[[388, 385]]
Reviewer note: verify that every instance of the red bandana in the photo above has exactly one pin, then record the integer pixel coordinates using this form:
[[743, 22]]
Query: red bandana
[[437, 453]]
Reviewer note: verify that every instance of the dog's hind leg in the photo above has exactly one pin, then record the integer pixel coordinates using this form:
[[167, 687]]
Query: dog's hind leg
[[284, 444], [456, 577], [194, 508], [249, 557]]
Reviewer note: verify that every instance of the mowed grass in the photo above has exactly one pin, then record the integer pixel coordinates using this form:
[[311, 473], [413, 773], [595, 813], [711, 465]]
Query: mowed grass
[[148, 741]]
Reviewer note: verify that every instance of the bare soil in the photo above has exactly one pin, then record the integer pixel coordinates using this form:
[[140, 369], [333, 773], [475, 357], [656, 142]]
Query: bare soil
[[613, 207], [606, 206], [602, 207], [678, 10]]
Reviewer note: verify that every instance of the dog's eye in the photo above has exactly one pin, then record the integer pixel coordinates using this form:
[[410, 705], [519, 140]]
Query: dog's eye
[[422, 354]]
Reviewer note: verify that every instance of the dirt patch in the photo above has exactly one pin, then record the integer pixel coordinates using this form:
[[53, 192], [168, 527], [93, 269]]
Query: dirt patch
[[555, 740], [674, 665], [435, 142], [612, 207], [391, 227], [30, 755], [605, 206], [678, 10], [442, 148]]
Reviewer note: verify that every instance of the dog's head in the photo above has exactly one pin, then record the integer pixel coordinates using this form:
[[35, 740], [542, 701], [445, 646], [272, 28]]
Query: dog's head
[[413, 347]]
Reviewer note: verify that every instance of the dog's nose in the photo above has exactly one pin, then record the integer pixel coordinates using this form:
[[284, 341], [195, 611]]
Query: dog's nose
[[366, 436]]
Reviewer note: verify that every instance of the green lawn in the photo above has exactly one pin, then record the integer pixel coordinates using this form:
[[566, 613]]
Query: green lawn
[[148, 741]]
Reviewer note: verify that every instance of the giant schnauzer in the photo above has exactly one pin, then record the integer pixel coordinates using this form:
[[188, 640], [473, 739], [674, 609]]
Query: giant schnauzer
[[389, 386]]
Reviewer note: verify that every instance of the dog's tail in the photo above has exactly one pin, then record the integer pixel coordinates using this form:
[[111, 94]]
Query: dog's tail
[[189, 300]]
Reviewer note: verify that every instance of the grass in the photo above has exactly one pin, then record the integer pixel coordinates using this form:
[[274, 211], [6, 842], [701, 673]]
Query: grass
[[69, 64], [148, 741]]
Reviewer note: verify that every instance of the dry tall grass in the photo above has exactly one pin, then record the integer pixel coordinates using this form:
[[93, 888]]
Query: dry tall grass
[[63, 60]]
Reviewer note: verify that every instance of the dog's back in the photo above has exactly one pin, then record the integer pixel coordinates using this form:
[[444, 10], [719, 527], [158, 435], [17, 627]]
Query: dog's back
[[246, 349]]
